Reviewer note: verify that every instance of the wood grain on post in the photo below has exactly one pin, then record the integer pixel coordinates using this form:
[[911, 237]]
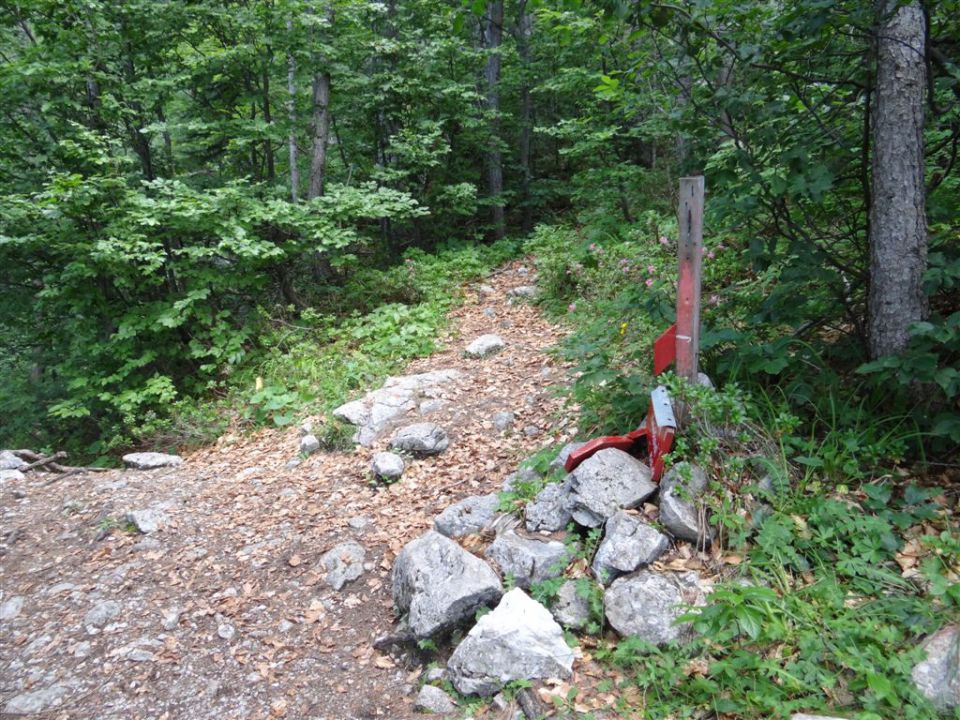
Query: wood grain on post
[[688, 292]]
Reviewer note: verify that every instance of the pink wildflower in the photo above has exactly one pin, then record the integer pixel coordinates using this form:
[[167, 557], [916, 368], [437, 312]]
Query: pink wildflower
[[714, 299], [664, 240], [649, 282], [711, 255], [571, 307], [651, 269]]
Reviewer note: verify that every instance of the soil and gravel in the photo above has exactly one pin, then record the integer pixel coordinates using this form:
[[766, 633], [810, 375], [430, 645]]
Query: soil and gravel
[[224, 612]]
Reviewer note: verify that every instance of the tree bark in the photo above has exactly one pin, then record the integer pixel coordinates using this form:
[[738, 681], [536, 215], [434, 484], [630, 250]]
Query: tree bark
[[321, 133], [492, 38], [292, 117], [524, 31], [898, 227], [267, 117]]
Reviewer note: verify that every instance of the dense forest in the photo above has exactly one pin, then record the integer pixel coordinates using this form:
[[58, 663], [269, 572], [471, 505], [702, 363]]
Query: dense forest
[[214, 204]]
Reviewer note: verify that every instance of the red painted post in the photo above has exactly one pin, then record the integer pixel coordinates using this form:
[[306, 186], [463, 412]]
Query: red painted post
[[688, 292]]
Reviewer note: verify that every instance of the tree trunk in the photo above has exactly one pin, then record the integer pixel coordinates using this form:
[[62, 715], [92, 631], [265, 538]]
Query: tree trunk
[[898, 227], [524, 31], [292, 117], [492, 37], [321, 133], [267, 117]]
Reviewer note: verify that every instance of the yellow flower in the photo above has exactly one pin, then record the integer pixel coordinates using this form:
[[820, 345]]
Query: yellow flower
[[623, 329]]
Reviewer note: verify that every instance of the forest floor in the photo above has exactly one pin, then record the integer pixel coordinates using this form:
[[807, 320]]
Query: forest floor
[[223, 612]]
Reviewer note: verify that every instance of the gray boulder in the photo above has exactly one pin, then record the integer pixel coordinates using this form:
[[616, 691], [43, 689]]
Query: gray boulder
[[309, 444], [9, 461], [647, 604], [485, 345], [434, 700], [680, 511], [343, 563], [148, 520], [38, 701], [528, 560], [523, 475], [380, 408], [606, 482], [519, 640], [12, 607], [569, 608], [561, 459], [937, 677], [502, 421], [628, 543], [523, 291], [439, 584], [151, 460], [421, 439], [11, 475], [101, 614], [388, 465], [550, 510], [470, 515]]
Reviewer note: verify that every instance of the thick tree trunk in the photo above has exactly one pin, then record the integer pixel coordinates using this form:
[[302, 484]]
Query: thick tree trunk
[[898, 228], [492, 38], [292, 117]]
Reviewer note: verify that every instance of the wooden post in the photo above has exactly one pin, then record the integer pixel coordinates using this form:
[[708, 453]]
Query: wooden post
[[688, 291]]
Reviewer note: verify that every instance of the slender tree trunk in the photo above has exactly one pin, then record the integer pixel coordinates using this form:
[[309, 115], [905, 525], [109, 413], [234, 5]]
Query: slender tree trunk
[[524, 31], [267, 117], [492, 38], [898, 227], [321, 133], [292, 117]]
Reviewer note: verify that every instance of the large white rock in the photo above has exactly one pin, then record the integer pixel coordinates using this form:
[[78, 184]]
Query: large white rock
[[9, 461], [607, 481], [519, 640], [528, 560], [421, 439], [388, 465], [471, 515], [485, 345], [380, 408], [439, 584], [11, 476], [434, 700], [646, 605], [680, 512], [937, 676], [628, 543], [151, 460]]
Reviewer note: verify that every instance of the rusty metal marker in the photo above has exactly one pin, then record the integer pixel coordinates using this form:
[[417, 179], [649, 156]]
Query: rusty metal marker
[[680, 344]]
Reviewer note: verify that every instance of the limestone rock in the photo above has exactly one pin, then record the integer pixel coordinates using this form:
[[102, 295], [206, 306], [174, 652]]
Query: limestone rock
[[151, 460], [560, 460], [528, 560], [434, 700], [38, 701], [470, 515], [523, 291], [11, 608], [550, 510], [309, 444], [628, 543], [502, 421], [9, 461], [570, 609], [421, 439], [937, 677], [101, 614], [606, 482], [679, 511], [343, 563], [484, 346], [388, 465], [519, 640], [11, 476], [148, 520], [380, 408], [523, 475], [439, 584], [646, 605]]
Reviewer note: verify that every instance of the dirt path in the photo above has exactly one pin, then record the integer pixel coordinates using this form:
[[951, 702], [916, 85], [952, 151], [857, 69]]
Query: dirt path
[[224, 612]]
